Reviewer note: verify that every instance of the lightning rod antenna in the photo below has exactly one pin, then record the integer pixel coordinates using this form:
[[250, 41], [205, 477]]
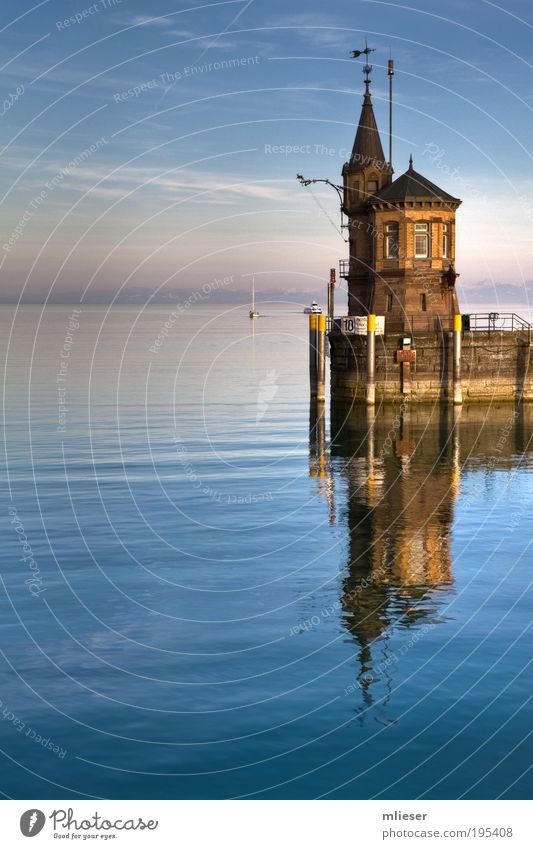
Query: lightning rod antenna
[[391, 74]]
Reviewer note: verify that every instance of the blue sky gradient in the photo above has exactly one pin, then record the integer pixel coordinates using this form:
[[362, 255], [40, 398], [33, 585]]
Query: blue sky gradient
[[156, 145]]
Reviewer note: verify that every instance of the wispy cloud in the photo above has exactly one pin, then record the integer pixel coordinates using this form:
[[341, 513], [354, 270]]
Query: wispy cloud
[[163, 24], [204, 40], [318, 29], [145, 20], [213, 186], [161, 21]]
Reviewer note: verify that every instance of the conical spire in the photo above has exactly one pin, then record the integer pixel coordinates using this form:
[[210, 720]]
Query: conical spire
[[367, 147]]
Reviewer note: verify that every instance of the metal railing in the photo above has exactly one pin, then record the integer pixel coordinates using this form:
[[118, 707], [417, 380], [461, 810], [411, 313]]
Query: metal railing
[[491, 322], [495, 322], [409, 324]]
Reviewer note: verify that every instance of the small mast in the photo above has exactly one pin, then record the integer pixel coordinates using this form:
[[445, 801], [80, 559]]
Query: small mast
[[390, 71]]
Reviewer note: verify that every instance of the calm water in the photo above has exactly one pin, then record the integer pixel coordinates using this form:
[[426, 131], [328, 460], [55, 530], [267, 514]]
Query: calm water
[[223, 596]]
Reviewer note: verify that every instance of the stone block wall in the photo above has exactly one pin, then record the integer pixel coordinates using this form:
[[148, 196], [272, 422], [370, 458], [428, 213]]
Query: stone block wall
[[495, 366]]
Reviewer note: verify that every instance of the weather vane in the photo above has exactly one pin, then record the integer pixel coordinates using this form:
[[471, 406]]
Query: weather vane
[[367, 67]]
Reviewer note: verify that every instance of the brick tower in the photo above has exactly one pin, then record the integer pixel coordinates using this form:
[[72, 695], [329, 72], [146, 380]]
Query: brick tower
[[401, 236]]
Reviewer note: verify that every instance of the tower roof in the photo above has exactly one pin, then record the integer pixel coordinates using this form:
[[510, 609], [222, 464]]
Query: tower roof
[[367, 149], [414, 186]]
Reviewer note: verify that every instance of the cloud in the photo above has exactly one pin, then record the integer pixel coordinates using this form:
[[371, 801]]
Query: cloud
[[145, 20], [210, 41], [213, 186], [319, 29], [223, 188]]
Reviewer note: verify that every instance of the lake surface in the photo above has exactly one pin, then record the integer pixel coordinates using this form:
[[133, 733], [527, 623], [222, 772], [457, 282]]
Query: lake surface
[[210, 590]]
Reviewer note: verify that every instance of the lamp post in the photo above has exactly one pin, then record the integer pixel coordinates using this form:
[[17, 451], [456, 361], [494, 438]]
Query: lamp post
[[339, 189]]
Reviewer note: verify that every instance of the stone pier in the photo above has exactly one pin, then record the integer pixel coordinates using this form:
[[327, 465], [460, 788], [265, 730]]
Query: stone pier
[[495, 366]]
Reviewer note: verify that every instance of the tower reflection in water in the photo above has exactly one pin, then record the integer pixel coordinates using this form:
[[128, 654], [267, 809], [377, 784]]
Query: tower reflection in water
[[400, 470]]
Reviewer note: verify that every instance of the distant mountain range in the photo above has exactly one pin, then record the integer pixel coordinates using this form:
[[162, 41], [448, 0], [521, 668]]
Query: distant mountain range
[[485, 292], [172, 297], [497, 293]]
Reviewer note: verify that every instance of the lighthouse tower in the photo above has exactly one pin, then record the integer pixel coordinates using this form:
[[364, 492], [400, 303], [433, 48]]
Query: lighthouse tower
[[401, 237]]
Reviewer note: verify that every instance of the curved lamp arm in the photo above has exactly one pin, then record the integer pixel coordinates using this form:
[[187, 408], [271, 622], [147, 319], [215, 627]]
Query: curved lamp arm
[[338, 189]]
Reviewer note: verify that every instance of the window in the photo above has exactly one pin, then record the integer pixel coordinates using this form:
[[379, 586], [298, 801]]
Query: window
[[422, 239], [351, 192], [423, 302], [389, 303], [391, 240], [446, 240], [372, 187]]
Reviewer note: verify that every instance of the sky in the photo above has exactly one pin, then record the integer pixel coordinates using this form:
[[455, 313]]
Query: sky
[[155, 145]]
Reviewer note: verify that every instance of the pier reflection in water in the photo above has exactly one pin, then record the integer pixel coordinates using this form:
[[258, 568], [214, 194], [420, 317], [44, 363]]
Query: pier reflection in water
[[402, 468]]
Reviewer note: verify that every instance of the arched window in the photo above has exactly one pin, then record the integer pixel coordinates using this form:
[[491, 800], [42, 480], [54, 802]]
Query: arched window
[[421, 239], [391, 240], [372, 185]]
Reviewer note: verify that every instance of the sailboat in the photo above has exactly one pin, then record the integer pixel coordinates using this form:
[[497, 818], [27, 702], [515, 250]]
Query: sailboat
[[253, 312]]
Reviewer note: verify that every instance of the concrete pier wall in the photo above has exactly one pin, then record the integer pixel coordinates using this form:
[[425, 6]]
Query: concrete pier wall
[[495, 366]]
